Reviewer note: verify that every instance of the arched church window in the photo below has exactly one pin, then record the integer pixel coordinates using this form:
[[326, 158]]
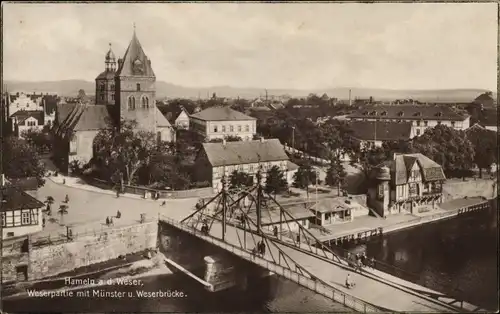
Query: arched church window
[[138, 87], [131, 103], [145, 102]]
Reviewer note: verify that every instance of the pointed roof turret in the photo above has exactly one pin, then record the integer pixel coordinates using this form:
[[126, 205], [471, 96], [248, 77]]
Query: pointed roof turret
[[135, 62], [110, 56]]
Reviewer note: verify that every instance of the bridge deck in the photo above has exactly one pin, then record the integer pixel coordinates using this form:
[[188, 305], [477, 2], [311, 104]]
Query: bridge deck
[[371, 291]]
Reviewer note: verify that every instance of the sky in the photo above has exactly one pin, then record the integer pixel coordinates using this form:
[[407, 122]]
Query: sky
[[286, 45]]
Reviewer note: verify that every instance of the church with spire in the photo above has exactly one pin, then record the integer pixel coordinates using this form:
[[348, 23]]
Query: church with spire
[[125, 90]]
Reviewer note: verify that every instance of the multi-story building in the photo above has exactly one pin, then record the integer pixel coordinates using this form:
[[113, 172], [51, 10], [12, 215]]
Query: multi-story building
[[408, 183], [125, 91], [221, 122], [21, 214], [216, 159], [24, 120], [421, 117]]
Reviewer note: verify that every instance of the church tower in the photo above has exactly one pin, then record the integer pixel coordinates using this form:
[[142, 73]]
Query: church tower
[[105, 82], [135, 87]]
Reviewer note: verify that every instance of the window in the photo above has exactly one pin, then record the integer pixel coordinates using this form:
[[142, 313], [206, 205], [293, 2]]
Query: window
[[102, 97], [102, 87], [4, 222], [425, 123], [413, 188], [215, 129], [239, 128], [112, 87], [247, 128], [25, 218], [380, 193], [131, 103], [452, 124], [223, 128], [418, 123], [112, 96], [31, 123], [418, 132], [145, 102], [138, 87], [231, 128]]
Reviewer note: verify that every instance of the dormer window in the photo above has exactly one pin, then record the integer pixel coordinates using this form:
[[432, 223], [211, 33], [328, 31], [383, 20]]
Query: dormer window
[[439, 114], [365, 113], [400, 114], [373, 113], [138, 87], [417, 114], [384, 113]]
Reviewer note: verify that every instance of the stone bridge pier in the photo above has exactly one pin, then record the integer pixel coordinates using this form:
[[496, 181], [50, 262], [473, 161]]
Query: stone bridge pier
[[220, 268]]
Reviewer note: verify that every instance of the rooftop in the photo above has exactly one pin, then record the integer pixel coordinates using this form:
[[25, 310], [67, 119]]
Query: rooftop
[[244, 152], [221, 114], [402, 164], [407, 112], [380, 131], [13, 198], [22, 115]]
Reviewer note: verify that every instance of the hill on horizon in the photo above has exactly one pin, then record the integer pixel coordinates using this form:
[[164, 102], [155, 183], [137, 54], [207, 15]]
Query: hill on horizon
[[165, 89]]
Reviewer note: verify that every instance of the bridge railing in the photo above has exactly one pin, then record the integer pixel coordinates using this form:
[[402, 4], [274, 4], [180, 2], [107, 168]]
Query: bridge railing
[[319, 287]]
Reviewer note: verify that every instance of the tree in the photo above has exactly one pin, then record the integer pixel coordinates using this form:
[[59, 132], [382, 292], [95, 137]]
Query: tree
[[304, 176], [124, 150], [239, 180], [233, 138], [336, 174], [370, 157], [275, 181], [449, 147], [38, 139], [81, 94], [485, 147], [63, 210], [20, 160]]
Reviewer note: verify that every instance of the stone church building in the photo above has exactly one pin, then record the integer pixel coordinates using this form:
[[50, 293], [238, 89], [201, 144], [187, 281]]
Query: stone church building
[[124, 91]]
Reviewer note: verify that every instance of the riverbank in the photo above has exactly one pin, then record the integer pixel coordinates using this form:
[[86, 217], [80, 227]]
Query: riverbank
[[364, 227]]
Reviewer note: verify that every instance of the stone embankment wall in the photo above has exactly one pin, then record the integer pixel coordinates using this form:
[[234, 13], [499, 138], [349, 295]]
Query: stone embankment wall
[[15, 256], [454, 189], [50, 260]]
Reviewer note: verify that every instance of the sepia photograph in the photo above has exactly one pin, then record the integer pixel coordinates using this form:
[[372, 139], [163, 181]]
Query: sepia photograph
[[249, 157]]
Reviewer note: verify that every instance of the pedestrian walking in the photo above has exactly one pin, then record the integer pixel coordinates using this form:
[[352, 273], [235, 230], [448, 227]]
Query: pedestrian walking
[[263, 248], [117, 192], [118, 214], [107, 221], [111, 221], [164, 203], [275, 231], [66, 199], [43, 222]]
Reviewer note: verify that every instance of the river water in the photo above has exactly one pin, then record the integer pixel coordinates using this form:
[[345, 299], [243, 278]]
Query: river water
[[457, 255]]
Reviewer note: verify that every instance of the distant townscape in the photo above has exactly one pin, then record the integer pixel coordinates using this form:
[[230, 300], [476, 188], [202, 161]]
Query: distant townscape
[[329, 167]]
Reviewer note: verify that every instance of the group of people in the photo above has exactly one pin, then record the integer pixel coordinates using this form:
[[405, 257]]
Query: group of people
[[260, 249], [360, 260], [109, 220]]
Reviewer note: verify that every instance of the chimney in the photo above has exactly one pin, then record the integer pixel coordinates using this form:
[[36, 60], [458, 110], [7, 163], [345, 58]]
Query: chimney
[[2, 180], [350, 101], [262, 139], [224, 142]]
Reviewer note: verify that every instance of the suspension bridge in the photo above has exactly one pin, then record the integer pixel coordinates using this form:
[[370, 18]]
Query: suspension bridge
[[238, 220]]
